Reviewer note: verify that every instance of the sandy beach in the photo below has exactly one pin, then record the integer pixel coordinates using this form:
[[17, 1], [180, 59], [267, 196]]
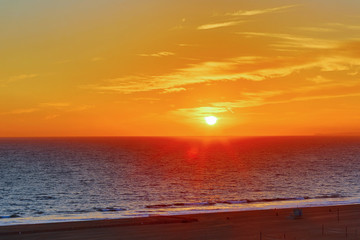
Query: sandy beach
[[332, 222]]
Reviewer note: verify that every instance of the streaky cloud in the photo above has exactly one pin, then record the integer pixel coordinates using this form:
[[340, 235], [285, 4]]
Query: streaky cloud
[[317, 29], [22, 77], [55, 104], [171, 90], [219, 25], [259, 11], [293, 41], [254, 99], [342, 25], [226, 70], [158, 54], [20, 111], [258, 101], [199, 112]]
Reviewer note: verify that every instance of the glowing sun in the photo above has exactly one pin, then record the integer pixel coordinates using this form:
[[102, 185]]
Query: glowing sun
[[211, 120]]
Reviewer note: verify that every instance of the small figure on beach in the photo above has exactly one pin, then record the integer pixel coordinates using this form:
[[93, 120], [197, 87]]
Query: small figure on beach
[[297, 213]]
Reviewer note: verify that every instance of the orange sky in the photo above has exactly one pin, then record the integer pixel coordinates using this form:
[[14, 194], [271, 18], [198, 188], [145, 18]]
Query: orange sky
[[158, 67]]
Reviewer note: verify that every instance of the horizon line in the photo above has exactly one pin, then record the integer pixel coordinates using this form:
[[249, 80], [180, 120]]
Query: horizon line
[[191, 136]]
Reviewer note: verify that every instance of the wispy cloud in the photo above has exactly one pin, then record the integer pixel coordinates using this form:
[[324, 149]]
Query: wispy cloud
[[51, 110], [22, 77], [260, 11], [97, 59], [251, 100], [146, 99], [242, 13], [320, 79], [51, 116], [192, 74], [58, 109], [55, 104], [226, 70], [342, 25], [199, 112], [219, 25], [260, 102], [180, 26], [171, 90], [293, 41], [20, 111], [79, 108], [158, 54], [186, 45], [317, 29]]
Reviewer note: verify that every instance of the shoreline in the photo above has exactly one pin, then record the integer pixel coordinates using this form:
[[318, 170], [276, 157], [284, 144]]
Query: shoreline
[[179, 209], [326, 222]]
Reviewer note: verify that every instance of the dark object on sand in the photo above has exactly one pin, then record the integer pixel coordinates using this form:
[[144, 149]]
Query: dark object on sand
[[297, 213]]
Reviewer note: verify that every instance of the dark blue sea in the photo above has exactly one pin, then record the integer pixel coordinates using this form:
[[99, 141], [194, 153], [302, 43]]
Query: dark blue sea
[[72, 179]]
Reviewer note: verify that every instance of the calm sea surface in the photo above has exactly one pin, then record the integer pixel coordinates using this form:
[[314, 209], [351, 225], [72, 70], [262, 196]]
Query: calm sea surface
[[66, 179]]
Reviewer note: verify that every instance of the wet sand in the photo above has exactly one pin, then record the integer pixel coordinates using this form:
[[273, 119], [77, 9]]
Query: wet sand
[[332, 222]]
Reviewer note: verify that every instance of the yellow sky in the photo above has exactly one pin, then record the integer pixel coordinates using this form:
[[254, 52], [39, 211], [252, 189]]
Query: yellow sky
[[158, 67]]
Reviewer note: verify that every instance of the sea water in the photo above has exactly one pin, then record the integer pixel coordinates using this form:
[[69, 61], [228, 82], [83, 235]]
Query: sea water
[[71, 179]]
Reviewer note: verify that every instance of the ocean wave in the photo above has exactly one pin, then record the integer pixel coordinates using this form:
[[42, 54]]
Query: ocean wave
[[110, 209], [233, 201], [277, 199], [45, 197], [241, 201], [75, 211], [15, 215], [181, 205], [335, 195]]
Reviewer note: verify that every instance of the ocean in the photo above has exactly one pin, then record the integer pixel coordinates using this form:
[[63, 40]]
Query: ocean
[[71, 179]]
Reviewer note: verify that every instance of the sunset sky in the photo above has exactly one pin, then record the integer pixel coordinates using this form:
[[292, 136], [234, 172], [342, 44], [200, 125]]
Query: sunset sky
[[158, 67]]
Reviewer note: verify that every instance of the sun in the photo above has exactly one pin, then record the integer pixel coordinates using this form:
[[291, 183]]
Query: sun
[[211, 120]]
